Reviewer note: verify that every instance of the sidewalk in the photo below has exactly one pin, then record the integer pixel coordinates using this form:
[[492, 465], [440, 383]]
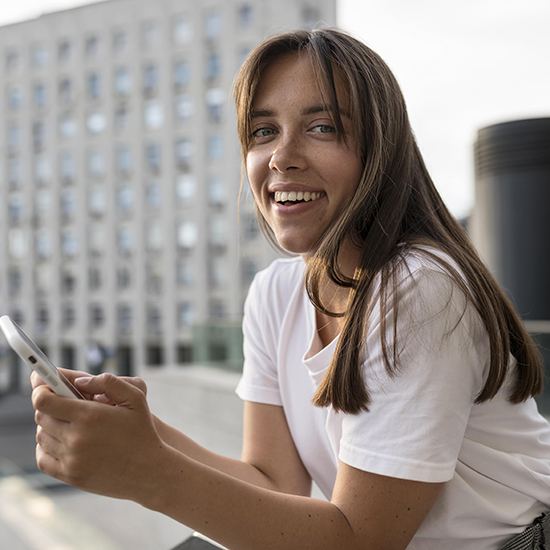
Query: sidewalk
[[37, 513]]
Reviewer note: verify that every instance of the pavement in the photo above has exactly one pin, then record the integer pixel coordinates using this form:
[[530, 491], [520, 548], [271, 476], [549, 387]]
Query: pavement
[[39, 513]]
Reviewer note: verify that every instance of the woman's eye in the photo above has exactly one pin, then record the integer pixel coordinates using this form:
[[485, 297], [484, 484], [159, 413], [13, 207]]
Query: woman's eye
[[263, 132], [324, 129]]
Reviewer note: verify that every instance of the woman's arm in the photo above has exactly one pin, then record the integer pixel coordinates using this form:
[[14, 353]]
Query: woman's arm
[[269, 457], [117, 451]]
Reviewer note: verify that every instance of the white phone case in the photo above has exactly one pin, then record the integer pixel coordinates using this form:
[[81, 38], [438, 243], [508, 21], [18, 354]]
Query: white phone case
[[33, 356]]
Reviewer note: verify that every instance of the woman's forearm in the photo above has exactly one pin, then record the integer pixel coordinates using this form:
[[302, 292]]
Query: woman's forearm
[[235, 468], [241, 515]]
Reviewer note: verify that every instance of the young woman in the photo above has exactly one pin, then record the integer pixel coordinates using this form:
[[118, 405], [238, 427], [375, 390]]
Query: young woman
[[382, 362]]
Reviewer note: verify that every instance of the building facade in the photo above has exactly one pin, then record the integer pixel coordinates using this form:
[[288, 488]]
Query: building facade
[[120, 236]]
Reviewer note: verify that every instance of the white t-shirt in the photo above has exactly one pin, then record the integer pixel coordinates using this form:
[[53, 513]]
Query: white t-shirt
[[422, 424]]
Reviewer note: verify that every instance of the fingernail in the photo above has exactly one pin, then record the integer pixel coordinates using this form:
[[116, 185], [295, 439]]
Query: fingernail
[[83, 380]]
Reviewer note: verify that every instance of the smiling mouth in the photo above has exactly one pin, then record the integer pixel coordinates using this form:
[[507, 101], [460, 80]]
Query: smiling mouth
[[294, 197]]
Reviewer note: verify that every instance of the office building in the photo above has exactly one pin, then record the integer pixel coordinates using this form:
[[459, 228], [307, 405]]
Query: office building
[[119, 179]]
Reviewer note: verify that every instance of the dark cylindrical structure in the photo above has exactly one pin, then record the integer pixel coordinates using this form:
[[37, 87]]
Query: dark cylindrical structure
[[512, 215]]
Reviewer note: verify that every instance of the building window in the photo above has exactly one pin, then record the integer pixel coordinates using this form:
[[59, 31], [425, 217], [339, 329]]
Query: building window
[[187, 235], [64, 51], [92, 46], [123, 161], [68, 316], [218, 271], [43, 244], [42, 319], [67, 167], [217, 309], [69, 243], [123, 278], [215, 101], [125, 199], [185, 189], [15, 98], [97, 316], [14, 173], [120, 40], [12, 61], [154, 320], [250, 227], [40, 56], [154, 237], [68, 281], [182, 74], [125, 240], [93, 86], [183, 30], [216, 191], [185, 273], [153, 195], [150, 33], [153, 114], [96, 122], [245, 16], [153, 156], [40, 96], [186, 314], [213, 66], [14, 137], [16, 209], [68, 127], [184, 107], [42, 172], [215, 147], [42, 203], [217, 231], [38, 135], [124, 318], [65, 91], [249, 270], [153, 278], [97, 201], [123, 81], [96, 164], [213, 25], [94, 278], [15, 281], [68, 204], [243, 54], [184, 153], [96, 239], [43, 278], [122, 118], [150, 79]]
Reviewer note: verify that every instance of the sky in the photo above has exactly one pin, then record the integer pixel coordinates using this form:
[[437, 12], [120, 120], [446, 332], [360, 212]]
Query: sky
[[462, 65]]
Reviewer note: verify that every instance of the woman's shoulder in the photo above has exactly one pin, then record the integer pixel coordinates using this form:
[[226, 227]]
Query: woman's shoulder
[[286, 272]]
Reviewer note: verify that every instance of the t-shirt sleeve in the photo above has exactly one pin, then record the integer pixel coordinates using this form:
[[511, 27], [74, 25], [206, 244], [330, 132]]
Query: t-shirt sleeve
[[259, 382], [417, 418]]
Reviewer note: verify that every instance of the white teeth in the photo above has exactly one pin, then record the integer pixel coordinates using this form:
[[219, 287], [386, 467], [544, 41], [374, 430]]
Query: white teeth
[[293, 196]]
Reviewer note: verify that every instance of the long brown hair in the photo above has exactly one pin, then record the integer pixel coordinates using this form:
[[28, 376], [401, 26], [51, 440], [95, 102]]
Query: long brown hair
[[396, 206]]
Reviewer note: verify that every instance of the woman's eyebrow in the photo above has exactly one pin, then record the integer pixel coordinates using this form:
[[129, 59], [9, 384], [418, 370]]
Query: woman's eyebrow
[[314, 109]]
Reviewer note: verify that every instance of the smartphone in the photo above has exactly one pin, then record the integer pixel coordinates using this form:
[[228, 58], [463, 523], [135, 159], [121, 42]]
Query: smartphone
[[37, 359]]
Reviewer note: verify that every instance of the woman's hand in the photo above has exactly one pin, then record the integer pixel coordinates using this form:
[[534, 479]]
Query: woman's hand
[[94, 446], [72, 375]]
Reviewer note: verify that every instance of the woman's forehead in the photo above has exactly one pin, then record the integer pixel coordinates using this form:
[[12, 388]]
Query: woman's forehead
[[297, 74]]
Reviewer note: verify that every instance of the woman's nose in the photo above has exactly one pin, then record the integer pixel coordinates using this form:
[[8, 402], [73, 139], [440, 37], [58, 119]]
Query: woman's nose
[[287, 155]]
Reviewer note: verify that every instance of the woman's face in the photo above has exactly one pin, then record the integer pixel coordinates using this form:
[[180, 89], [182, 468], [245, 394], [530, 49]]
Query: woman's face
[[301, 175]]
